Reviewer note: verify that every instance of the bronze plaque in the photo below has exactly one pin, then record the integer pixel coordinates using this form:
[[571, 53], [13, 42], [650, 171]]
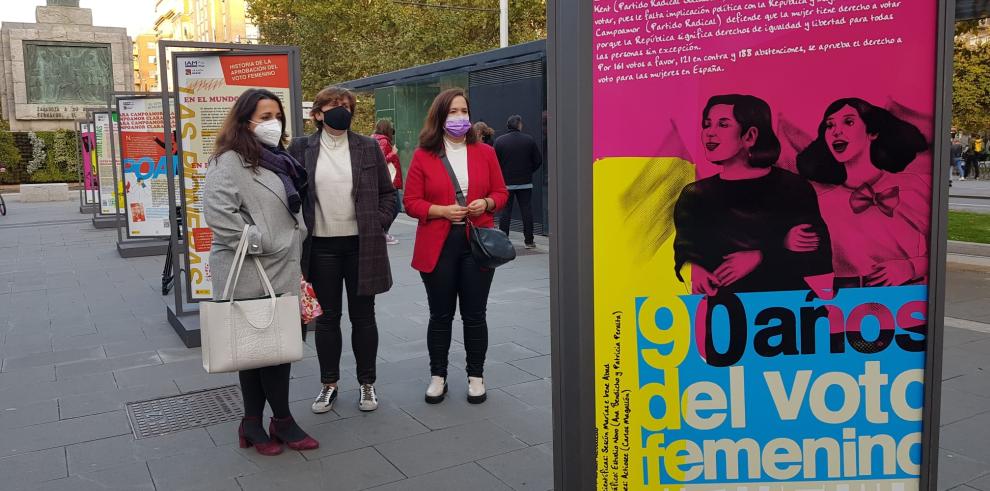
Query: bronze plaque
[[67, 73]]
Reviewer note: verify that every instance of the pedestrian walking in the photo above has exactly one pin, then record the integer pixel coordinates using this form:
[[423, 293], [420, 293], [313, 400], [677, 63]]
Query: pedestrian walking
[[485, 133], [251, 180], [956, 154], [519, 156], [449, 151], [977, 152], [351, 202], [385, 135]]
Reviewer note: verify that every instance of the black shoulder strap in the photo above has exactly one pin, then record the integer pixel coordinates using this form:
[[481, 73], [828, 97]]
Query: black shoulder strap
[[458, 194]]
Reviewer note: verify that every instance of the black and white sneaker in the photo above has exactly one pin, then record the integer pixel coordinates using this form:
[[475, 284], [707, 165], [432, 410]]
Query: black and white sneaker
[[324, 401], [369, 400]]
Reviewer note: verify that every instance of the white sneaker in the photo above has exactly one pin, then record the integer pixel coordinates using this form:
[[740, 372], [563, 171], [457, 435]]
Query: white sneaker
[[962, 178], [369, 400], [324, 401], [436, 391], [476, 390]]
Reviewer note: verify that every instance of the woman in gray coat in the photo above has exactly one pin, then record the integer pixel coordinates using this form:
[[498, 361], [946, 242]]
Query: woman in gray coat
[[251, 180]]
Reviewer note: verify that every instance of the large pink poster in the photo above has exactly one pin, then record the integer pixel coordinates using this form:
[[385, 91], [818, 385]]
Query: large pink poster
[[762, 179]]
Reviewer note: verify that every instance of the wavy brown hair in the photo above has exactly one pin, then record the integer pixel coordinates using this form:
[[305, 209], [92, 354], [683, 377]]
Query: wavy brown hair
[[235, 133], [431, 137]]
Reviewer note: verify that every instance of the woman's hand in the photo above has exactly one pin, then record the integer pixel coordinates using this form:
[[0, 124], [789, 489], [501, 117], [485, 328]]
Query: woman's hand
[[801, 239], [704, 283], [477, 207], [737, 265], [891, 273], [454, 213]]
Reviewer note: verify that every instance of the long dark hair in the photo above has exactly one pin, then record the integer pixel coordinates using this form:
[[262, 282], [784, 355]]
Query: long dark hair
[[235, 134], [751, 112], [896, 145], [431, 137]]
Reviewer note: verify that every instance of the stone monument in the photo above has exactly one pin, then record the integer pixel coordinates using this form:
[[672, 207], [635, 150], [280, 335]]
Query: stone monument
[[53, 70]]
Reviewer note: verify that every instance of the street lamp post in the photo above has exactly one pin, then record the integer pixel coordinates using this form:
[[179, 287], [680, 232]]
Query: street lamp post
[[503, 23]]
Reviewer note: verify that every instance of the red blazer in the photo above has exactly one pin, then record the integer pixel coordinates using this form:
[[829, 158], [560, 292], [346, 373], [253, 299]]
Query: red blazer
[[427, 183]]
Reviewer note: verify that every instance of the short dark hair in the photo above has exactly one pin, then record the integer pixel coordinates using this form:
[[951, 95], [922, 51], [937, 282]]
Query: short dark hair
[[896, 145], [514, 122], [330, 94], [234, 133], [751, 112]]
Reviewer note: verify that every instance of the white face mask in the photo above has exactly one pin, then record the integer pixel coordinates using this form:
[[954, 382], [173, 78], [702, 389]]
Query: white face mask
[[268, 132]]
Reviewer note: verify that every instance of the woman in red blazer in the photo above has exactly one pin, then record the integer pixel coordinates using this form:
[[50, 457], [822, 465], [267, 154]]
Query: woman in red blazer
[[442, 254]]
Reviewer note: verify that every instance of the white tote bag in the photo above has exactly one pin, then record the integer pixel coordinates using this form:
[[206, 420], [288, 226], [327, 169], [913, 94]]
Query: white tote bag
[[245, 334]]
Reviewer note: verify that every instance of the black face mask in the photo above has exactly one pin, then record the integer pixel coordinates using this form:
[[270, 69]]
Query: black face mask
[[338, 118]]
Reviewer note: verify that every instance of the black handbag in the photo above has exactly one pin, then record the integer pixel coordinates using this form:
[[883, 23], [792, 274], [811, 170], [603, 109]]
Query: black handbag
[[489, 246]]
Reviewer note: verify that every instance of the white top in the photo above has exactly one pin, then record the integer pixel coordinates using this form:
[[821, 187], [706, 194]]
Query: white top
[[335, 215], [457, 155]]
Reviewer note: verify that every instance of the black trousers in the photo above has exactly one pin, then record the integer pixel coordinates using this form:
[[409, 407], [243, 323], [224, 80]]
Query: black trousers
[[334, 267], [525, 198], [457, 278], [973, 166], [266, 384]]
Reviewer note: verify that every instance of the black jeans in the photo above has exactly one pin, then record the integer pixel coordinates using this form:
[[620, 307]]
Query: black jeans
[[266, 384], [973, 166], [457, 277], [398, 208], [334, 266], [525, 198]]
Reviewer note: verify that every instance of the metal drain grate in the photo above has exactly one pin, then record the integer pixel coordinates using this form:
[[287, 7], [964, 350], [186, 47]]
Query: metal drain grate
[[177, 413]]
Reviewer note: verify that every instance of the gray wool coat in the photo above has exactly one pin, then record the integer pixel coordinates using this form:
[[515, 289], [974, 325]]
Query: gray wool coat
[[235, 195]]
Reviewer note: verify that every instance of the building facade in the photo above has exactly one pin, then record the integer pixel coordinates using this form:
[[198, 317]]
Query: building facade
[[52, 70], [214, 21], [146, 62]]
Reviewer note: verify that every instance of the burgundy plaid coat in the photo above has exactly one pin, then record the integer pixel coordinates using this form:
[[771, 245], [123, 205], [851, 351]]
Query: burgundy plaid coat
[[374, 204]]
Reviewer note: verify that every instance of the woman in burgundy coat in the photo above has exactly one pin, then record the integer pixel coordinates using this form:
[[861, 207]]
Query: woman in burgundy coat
[[442, 253]]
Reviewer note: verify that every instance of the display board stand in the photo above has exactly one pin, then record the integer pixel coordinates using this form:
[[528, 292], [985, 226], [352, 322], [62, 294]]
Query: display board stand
[[86, 205], [589, 54], [101, 220], [128, 246], [182, 310]]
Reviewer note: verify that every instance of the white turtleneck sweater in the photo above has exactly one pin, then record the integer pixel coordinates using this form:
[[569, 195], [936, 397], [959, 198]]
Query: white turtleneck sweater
[[335, 216], [457, 155]]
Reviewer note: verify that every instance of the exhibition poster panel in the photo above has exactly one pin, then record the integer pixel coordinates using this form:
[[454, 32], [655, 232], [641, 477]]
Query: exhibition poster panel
[[762, 203], [90, 179], [208, 86], [109, 199], [145, 167]]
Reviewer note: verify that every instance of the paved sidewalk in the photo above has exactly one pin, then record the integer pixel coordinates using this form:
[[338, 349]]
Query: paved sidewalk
[[83, 331]]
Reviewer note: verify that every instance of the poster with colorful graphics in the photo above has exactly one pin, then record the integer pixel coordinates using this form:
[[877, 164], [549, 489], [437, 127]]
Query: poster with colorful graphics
[[109, 200], [145, 167], [762, 203], [87, 144], [208, 86]]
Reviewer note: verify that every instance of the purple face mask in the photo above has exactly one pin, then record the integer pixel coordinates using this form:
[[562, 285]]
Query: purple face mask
[[457, 126]]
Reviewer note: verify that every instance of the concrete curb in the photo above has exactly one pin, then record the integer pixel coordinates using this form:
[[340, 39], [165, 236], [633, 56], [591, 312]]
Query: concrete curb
[[16, 197]]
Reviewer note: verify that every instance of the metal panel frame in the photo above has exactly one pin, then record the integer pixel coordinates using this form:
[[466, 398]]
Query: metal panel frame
[[937, 245], [99, 192], [184, 303], [572, 327], [569, 73], [130, 96]]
